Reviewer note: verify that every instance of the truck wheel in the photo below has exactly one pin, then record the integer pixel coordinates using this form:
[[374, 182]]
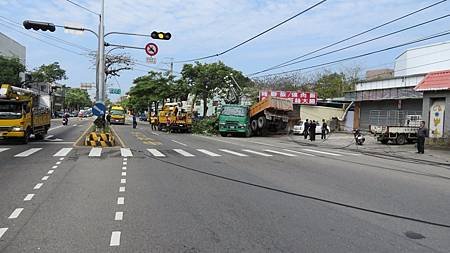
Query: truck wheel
[[384, 141], [223, 134], [401, 139], [254, 125], [39, 136], [261, 122], [26, 138], [248, 133]]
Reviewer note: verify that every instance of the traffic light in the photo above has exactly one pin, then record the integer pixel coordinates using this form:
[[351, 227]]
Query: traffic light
[[161, 36], [28, 24]]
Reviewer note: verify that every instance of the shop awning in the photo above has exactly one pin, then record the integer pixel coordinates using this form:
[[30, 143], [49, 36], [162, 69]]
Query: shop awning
[[435, 81]]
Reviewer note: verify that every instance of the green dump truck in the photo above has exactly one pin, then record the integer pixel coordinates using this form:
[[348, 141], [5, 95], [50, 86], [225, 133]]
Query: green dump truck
[[268, 115]]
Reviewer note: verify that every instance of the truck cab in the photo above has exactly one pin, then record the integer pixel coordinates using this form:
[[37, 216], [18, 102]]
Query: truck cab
[[117, 115], [235, 120]]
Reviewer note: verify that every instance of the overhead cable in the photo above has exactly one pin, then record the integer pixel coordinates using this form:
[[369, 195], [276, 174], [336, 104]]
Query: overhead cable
[[82, 7], [254, 37]]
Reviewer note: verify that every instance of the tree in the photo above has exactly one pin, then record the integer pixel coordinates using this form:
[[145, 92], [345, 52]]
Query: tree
[[48, 73], [208, 79], [114, 63], [77, 98], [10, 70], [332, 85]]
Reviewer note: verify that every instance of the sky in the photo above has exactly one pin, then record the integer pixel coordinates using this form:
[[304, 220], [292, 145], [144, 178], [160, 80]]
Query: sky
[[204, 27]]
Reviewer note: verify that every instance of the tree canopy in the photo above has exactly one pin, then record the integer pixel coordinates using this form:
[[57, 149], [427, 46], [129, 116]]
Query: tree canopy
[[48, 73], [77, 98], [10, 70]]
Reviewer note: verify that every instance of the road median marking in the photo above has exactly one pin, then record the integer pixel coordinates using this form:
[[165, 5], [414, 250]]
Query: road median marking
[[38, 186], [320, 152], [179, 143], [15, 214], [118, 216], [115, 238], [2, 232], [28, 197]]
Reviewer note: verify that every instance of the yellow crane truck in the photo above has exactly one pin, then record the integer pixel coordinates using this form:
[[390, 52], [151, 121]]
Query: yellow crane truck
[[23, 112], [173, 118]]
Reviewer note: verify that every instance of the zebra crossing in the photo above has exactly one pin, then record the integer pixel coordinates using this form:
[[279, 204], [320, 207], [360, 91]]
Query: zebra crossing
[[97, 152]]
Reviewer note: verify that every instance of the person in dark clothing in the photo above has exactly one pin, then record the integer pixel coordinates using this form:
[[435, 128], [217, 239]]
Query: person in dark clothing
[[108, 118], [306, 130], [312, 131], [134, 120], [422, 133], [324, 129]]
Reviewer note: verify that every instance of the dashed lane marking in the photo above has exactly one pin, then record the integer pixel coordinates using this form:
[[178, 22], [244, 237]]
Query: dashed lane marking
[[28, 152], [183, 153], [120, 200], [298, 152], [58, 163], [3, 149], [279, 153], [126, 152], [232, 152], [15, 213], [155, 152], [50, 172], [124, 168], [155, 133], [204, 151], [124, 173], [122, 189], [180, 143], [63, 152], [2, 232], [28, 197], [256, 152], [38, 186], [51, 129], [118, 216], [123, 181], [321, 152], [45, 178], [49, 136], [115, 238], [95, 152], [54, 167]]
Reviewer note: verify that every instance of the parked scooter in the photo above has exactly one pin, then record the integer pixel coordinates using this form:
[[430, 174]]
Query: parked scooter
[[359, 138]]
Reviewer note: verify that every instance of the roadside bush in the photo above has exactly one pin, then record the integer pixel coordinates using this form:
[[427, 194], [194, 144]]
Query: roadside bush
[[208, 126]]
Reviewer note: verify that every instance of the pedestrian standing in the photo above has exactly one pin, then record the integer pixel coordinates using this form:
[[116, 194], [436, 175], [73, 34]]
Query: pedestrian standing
[[422, 133], [324, 129], [306, 129], [312, 130], [134, 120]]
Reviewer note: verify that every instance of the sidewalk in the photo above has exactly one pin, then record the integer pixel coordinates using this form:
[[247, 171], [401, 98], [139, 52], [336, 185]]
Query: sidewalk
[[371, 146]]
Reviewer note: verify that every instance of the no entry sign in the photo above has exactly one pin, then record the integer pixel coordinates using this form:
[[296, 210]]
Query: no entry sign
[[151, 49]]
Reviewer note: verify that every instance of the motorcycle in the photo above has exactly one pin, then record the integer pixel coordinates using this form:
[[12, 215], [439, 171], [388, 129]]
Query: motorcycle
[[65, 121], [359, 138]]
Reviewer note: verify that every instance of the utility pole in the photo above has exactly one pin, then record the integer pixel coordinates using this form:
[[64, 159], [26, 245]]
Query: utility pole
[[101, 57]]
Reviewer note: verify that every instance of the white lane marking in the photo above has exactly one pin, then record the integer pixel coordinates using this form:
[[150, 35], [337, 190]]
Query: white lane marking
[[278, 152], [119, 216], [51, 129], [62, 158], [262, 143], [298, 152], [15, 213], [120, 200], [63, 152], [232, 152], [122, 189], [321, 152], [49, 136], [115, 238], [157, 134], [124, 173], [50, 172], [58, 163], [54, 167], [45, 178], [183, 153], [75, 125], [38, 186], [179, 143], [124, 163], [95, 152], [344, 153], [256, 152], [2, 232], [28, 152], [124, 168], [3, 149], [204, 151], [28, 197], [155, 152], [125, 159], [123, 181], [126, 152]]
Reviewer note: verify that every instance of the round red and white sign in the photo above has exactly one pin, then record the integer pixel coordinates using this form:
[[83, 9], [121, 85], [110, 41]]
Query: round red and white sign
[[151, 49]]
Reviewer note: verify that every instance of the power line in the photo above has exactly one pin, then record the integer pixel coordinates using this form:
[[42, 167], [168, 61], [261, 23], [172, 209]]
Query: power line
[[256, 36], [355, 35], [365, 54], [354, 45], [82, 7], [49, 36], [43, 41]]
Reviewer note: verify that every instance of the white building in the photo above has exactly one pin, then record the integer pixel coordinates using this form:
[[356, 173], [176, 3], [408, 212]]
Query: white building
[[12, 49], [424, 59]]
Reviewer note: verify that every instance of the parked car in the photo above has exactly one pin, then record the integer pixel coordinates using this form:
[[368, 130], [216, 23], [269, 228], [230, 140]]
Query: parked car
[[143, 117], [59, 114], [300, 126]]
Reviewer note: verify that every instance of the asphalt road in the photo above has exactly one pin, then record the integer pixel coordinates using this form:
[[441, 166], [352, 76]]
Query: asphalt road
[[187, 193]]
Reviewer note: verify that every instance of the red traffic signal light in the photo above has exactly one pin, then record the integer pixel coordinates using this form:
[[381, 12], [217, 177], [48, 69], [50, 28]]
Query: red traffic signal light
[[35, 25], [161, 36]]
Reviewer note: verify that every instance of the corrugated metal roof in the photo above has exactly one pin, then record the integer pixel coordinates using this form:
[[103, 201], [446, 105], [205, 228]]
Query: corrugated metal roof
[[439, 80]]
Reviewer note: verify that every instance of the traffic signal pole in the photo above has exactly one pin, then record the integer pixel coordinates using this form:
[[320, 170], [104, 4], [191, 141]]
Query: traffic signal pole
[[101, 56]]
